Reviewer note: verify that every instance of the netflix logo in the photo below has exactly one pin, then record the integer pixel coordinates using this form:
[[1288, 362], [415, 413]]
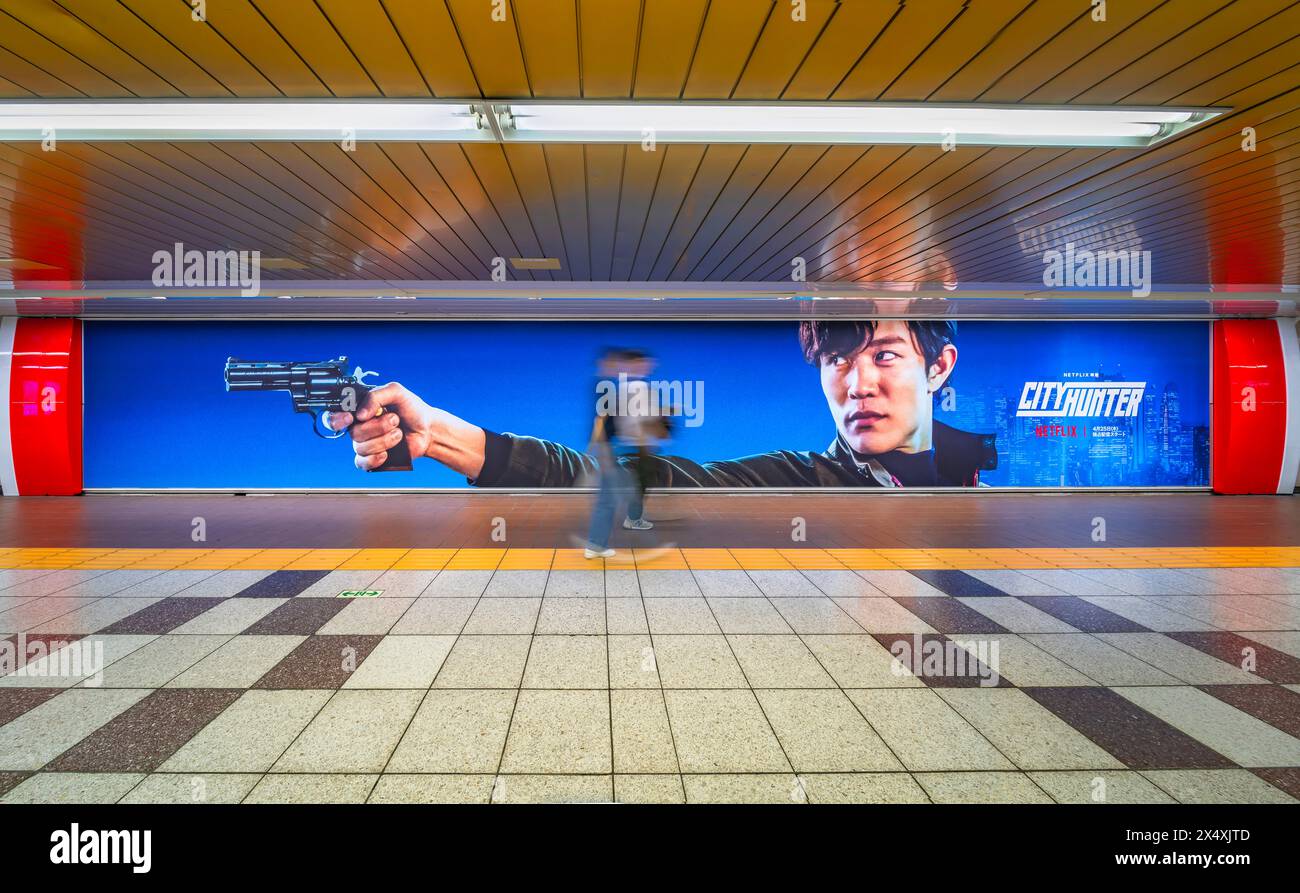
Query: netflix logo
[[1056, 430]]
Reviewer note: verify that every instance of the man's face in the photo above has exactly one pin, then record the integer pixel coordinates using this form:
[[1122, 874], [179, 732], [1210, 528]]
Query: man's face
[[881, 395]]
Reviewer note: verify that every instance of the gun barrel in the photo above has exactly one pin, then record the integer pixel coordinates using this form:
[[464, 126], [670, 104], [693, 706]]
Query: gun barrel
[[309, 383], [243, 376]]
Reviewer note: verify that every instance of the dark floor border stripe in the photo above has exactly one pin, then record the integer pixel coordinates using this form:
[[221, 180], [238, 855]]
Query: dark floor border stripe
[[162, 617], [1273, 704], [323, 662], [959, 584], [11, 780], [1083, 615], [1135, 737], [298, 617], [14, 702], [949, 616], [282, 584], [1284, 779], [1268, 663], [142, 737]]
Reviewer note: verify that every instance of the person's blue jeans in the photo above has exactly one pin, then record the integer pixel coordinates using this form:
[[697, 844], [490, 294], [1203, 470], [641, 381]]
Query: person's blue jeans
[[617, 486]]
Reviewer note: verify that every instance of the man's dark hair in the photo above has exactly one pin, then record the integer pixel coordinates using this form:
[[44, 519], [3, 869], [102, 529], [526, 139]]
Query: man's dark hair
[[819, 338], [624, 354]]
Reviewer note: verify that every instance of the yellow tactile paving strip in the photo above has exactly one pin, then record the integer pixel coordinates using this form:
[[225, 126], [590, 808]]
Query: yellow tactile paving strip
[[650, 559]]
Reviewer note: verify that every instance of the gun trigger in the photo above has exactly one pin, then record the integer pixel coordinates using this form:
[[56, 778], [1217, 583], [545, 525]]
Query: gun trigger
[[317, 420]]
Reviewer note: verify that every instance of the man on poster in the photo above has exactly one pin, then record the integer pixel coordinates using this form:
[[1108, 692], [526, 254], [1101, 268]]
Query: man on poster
[[880, 380]]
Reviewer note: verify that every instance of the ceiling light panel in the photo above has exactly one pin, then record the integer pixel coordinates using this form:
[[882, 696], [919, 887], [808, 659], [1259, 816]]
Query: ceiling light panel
[[595, 122], [849, 124], [242, 120]]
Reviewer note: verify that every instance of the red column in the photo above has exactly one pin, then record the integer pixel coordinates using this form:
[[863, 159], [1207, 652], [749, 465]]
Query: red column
[[43, 424], [1256, 445]]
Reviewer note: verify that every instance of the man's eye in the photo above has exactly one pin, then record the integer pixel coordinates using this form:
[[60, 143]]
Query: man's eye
[[886, 356]]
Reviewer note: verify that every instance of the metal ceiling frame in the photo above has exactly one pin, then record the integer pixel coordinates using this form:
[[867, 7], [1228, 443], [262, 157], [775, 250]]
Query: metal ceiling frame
[[323, 299]]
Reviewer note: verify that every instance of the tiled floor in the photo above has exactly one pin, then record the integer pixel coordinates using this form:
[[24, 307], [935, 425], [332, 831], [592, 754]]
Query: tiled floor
[[515, 684]]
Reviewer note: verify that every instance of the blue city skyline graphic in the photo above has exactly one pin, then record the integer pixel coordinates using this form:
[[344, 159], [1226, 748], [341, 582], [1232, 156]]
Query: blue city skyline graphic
[[1166, 443]]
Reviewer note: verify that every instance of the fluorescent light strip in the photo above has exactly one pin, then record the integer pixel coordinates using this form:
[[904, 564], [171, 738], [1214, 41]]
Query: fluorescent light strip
[[218, 120], [856, 124], [594, 122]]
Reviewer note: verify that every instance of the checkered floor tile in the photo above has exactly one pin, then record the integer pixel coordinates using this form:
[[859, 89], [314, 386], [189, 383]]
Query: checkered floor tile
[[480, 681]]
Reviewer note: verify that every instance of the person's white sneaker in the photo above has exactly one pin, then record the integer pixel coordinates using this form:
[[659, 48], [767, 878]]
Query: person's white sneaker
[[597, 553], [638, 524]]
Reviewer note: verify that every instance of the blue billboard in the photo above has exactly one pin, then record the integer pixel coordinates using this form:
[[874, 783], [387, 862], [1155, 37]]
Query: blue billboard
[[746, 404]]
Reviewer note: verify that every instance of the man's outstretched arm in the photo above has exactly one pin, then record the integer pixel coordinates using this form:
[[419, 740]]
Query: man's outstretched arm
[[488, 459], [485, 458]]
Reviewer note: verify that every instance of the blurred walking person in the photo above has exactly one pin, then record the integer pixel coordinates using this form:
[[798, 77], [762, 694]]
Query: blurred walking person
[[622, 412]]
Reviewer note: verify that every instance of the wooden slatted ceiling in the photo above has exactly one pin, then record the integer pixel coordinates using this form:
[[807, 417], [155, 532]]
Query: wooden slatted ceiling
[[726, 212], [941, 50]]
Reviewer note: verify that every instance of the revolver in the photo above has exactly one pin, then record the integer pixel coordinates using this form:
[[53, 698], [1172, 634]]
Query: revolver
[[314, 388]]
